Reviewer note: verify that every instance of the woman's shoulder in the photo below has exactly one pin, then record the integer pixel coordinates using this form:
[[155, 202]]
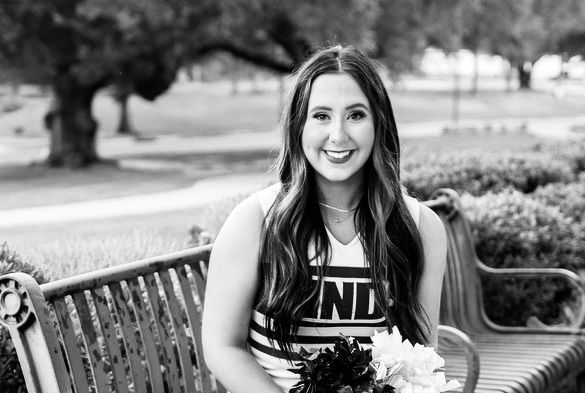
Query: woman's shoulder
[[414, 207], [251, 211], [241, 231], [267, 196], [424, 217]]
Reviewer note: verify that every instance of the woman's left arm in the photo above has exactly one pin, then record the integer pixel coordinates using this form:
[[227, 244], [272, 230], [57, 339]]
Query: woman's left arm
[[434, 242]]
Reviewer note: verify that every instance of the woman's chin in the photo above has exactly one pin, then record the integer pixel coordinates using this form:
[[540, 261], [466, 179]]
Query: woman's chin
[[338, 177]]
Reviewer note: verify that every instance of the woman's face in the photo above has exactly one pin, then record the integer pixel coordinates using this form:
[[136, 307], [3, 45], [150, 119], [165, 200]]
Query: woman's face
[[338, 134]]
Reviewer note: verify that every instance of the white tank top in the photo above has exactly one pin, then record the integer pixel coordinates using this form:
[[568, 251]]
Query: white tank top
[[346, 304]]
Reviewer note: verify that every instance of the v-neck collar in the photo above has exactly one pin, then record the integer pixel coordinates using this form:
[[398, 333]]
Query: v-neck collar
[[335, 240]]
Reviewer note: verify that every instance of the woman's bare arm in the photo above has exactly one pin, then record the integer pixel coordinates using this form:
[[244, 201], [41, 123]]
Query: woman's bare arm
[[434, 242], [231, 288]]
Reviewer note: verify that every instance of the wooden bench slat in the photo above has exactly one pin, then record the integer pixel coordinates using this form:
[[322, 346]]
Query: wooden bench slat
[[129, 331], [147, 334], [112, 344], [70, 344], [90, 337], [179, 329], [194, 317], [163, 325]]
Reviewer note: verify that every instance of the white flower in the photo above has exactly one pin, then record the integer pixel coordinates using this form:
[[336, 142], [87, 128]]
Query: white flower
[[408, 368]]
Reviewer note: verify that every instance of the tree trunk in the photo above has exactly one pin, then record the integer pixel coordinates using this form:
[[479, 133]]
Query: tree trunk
[[475, 84], [509, 78], [124, 127], [71, 125], [524, 75]]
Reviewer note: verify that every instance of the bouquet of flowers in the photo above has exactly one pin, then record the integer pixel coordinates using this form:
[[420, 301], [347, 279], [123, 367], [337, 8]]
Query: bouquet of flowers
[[389, 366]]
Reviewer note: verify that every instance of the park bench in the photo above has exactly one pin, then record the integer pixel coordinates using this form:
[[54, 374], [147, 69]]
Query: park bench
[[536, 358], [136, 327]]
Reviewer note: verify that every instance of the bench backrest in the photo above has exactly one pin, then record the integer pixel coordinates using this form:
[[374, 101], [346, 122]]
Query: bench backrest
[[461, 299], [130, 328], [136, 327]]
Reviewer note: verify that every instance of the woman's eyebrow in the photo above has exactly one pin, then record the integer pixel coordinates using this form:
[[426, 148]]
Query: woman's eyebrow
[[358, 105], [350, 107], [321, 108]]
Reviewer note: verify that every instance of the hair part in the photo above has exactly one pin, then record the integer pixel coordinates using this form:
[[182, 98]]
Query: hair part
[[389, 236]]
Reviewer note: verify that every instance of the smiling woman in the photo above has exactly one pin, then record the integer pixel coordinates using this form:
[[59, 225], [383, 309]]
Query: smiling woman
[[337, 138], [334, 247]]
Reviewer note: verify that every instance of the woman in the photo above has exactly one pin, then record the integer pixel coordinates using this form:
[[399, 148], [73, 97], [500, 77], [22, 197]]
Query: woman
[[335, 247]]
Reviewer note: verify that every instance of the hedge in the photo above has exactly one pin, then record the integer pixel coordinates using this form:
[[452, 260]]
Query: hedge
[[515, 230], [569, 198], [476, 173]]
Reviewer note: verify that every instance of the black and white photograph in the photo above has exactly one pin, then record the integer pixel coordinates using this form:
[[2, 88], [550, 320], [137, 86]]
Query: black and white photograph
[[270, 196]]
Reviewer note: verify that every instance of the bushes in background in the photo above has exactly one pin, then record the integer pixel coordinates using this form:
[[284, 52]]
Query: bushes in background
[[476, 173], [569, 198], [515, 230]]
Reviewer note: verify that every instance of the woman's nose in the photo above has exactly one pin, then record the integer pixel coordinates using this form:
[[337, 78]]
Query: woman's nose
[[338, 133]]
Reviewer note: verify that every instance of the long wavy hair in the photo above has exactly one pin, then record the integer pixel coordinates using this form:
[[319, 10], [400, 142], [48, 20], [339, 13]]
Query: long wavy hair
[[294, 225]]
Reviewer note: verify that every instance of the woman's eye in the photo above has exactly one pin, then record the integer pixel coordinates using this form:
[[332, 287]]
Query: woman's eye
[[320, 116], [357, 115]]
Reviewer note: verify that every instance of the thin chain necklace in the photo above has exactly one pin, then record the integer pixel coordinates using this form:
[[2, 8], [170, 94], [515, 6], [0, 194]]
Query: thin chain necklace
[[338, 220], [337, 209]]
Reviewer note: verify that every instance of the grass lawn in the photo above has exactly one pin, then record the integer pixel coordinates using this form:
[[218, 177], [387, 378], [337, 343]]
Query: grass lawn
[[62, 250]]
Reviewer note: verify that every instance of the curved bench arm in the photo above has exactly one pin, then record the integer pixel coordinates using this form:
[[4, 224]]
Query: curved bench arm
[[24, 312], [471, 354], [574, 279]]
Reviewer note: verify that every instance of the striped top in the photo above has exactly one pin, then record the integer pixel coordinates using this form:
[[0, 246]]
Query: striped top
[[346, 304]]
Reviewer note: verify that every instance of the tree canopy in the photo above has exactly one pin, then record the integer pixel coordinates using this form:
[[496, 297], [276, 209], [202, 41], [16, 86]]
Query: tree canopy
[[80, 46]]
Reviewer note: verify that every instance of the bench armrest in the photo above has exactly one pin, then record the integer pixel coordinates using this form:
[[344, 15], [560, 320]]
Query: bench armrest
[[24, 312], [574, 279], [471, 355]]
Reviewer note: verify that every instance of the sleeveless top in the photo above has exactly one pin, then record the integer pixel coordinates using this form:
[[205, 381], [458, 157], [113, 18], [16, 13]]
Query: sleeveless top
[[346, 304]]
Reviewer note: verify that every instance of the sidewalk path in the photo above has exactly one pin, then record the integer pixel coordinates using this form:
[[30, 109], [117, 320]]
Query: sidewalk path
[[201, 193]]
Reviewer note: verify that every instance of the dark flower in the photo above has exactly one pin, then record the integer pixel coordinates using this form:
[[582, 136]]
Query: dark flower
[[345, 369]]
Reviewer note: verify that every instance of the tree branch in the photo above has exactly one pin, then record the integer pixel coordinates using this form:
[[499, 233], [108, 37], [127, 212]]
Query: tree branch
[[258, 58]]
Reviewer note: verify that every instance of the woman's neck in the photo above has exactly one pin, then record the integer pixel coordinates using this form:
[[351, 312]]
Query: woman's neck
[[341, 195]]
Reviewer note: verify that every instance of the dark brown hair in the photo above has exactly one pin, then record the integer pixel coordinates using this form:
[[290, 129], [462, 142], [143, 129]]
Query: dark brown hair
[[387, 231]]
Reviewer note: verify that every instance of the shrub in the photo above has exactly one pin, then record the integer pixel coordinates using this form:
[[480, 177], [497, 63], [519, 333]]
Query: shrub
[[574, 153], [570, 198], [11, 378], [514, 230], [472, 172]]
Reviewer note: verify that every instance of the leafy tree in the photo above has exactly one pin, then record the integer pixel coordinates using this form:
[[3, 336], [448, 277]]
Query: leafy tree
[[399, 34], [138, 46], [524, 30], [519, 30], [85, 45], [279, 34]]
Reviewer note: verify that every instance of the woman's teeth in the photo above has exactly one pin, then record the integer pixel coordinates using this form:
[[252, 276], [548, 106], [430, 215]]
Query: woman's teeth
[[338, 154]]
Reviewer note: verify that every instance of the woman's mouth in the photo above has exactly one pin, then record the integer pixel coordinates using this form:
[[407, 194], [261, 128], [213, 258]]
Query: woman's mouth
[[338, 157]]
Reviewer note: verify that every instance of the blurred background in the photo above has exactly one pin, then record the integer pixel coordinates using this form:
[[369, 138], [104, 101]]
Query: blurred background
[[130, 128]]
